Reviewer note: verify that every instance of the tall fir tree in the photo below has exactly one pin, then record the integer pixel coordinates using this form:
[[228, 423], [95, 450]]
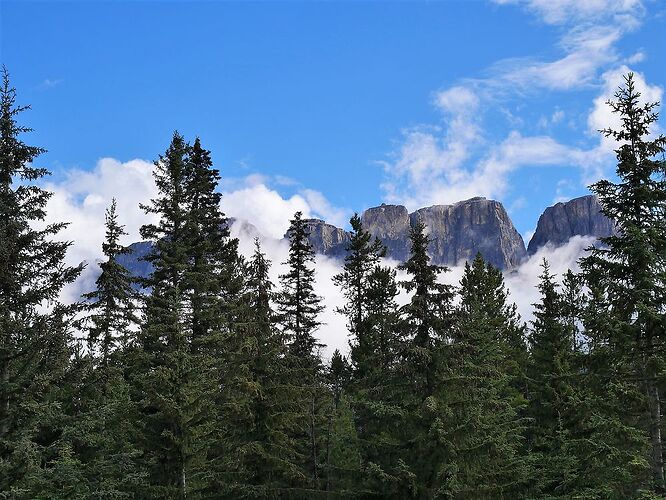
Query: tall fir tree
[[103, 416], [634, 260], [482, 427], [35, 341], [426, 322], [299, 308], [363, 255], [177, 412], [260, 454], [371, 311], [553, 382]]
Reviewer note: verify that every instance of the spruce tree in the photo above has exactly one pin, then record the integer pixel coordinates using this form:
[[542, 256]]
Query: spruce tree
[[35, 341], [552, 383], [426, 322], [103, 417], [370, 291], [633, 262], [112, 306], [482, 427], [177, 413], [363, 254], [298, 315], [259, 456]]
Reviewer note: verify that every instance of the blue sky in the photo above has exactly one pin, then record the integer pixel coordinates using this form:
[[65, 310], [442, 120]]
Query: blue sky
[[331, 107]]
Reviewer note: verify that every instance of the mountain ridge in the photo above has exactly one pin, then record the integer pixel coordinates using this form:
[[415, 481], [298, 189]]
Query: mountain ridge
[[457, 231]]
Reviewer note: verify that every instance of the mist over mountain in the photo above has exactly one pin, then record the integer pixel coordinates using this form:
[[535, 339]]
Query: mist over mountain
[[457, 232]]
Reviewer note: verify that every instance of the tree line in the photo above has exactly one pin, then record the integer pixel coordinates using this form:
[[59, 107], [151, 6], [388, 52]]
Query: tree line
[[209, 382]]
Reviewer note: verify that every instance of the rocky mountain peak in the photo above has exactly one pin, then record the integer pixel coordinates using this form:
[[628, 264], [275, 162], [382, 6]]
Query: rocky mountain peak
[[580, 216]]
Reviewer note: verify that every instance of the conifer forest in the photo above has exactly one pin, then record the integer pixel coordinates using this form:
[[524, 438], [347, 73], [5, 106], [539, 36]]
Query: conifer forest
[[206, 380]]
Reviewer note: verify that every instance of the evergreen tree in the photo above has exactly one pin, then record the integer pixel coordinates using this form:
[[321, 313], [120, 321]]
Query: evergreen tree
[[112, 305], [35, 341], [552, 386], [298, 305], [298, 311], [482, 427], [633, 262], [259, 453], [371, 311], [426, 327], [102, 415], [363, 254], [177, 411]]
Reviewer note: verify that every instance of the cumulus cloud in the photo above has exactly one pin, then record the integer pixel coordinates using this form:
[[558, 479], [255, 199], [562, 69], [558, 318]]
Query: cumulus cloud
[[81, 198], [453, 160], [601, 115]]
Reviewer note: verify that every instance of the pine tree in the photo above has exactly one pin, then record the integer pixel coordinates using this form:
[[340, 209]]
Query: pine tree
[[177, 413], [112, 305], [342, 460], [425, 326], [35, 342], [298, 305], [298, 311], [259, 453], [634, 260], [363, 254], [103, 416], [482, 427], [371, 311], [552, 382]]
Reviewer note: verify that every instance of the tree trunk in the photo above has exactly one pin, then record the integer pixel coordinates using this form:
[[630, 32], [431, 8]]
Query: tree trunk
[[655, 434]]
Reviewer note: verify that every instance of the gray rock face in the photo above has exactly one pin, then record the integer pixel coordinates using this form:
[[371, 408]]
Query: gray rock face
[[133, 261], [580, 216], [459, 231], [391, 224], [325, 238]]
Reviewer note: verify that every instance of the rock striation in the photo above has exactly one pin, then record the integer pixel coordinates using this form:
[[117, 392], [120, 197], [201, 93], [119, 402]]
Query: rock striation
[[391, 224], [457, 232], [580, 216], [325, 238]]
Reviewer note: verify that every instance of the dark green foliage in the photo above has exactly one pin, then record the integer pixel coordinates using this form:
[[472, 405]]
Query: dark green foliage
[[179, 360], [363, 254], [553, 378], [629, 270], [112, 305], [35, 342], [425, 327], [298, 305], [298, 311], [261, 415], [216, 386], [481, 426], [102, 415]]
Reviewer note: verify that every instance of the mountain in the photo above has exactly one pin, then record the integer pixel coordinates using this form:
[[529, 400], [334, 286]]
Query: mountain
[[325, 238], [457, 232], [580, 216]]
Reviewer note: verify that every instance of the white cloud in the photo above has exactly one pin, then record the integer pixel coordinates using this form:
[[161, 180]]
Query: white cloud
[[452, 161], [82, 197], [568, 11], [601, 116], [523, 280]]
